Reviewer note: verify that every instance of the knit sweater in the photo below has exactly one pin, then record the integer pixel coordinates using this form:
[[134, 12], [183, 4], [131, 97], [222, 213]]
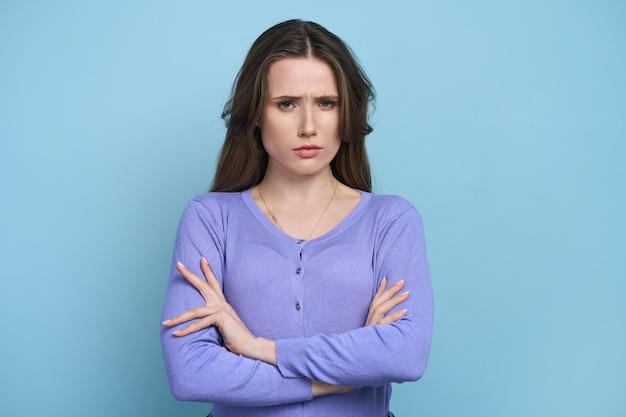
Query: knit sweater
[[310, 296]]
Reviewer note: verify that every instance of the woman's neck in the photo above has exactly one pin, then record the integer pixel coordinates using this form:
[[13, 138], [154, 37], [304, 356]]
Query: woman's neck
[[305, 207], [301, 189]]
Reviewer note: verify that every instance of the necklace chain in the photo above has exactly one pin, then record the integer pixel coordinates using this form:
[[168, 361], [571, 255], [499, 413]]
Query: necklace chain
[[275, 220]]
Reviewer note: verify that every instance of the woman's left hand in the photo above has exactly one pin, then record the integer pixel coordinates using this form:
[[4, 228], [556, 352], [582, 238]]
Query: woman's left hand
[[217, 312], [384, 301]]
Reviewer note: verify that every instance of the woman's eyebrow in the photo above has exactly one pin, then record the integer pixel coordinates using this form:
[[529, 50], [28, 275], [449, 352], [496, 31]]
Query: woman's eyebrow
[[280, 98], [322, 97]]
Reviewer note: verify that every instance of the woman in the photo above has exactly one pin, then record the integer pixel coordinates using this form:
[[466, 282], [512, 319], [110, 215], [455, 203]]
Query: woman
[[297, 316]]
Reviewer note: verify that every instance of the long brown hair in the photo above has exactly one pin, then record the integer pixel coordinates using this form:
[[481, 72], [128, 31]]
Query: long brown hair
[[243, 160]]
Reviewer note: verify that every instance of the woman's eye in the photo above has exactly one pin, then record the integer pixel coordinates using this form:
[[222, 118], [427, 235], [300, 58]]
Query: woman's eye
[[327, 103], [285, 104]]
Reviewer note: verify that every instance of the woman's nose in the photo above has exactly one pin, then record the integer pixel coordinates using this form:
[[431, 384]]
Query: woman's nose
[[307, 125]]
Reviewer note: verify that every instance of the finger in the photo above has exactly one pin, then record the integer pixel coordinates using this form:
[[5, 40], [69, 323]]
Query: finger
[[195, 326], [381, 287], [387, 294], [377, 314], [200, 284], [194, 313], [379, 295], [195, 280], [210, 277], [390, 304], [395, 288], [392, 290], [393, 317]]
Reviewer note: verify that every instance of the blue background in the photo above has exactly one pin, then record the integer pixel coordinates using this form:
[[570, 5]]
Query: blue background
[[503, 122]]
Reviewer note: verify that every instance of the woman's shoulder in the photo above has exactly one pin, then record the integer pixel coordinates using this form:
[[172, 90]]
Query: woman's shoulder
[[386, 208], [212, 197], [393, 212], [392, 203], [215, 202]]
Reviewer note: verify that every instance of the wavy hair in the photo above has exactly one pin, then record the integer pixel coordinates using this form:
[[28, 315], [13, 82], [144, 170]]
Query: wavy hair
[[243, 160]]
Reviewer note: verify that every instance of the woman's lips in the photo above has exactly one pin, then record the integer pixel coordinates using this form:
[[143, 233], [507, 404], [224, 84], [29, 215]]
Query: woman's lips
[[307, 151]]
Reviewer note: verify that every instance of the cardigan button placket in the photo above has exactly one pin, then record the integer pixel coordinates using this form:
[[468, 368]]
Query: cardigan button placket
[[300, 271]]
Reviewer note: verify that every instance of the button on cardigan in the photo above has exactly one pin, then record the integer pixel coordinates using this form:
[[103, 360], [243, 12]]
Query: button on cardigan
[[312, 297]]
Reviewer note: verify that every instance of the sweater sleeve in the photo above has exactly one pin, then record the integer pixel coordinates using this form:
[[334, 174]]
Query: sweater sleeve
[[376, 355], [198, 367]]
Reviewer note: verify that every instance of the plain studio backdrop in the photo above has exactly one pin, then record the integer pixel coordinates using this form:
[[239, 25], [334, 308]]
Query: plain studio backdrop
[[503, 122]]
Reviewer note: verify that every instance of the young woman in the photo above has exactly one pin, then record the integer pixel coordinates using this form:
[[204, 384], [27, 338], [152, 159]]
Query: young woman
[[294, 291]]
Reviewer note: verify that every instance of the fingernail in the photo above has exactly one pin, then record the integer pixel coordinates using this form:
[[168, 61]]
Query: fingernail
[[204, 261], [179, 263], [401, 282], [166, 321]]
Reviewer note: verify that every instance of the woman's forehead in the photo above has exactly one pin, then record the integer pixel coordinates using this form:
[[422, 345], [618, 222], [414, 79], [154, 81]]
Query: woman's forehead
[[301, 76]]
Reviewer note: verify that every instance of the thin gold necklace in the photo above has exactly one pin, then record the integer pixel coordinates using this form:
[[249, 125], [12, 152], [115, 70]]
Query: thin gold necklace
[[275, 220]]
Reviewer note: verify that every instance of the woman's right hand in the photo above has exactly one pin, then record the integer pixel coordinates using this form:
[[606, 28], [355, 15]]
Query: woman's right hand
[[219, 313], [384, 301]]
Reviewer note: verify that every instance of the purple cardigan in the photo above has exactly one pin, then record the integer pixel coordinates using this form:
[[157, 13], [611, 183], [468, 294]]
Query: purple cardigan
[[312, 297]]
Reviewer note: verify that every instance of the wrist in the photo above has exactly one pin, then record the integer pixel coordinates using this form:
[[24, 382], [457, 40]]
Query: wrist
[[320, 388], [262, 349]]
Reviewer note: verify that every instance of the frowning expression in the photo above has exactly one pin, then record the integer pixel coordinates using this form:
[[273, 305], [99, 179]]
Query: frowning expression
[[300, 121]]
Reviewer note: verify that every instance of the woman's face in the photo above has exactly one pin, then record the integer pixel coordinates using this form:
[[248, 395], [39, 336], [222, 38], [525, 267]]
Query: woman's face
[[300, 121]]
